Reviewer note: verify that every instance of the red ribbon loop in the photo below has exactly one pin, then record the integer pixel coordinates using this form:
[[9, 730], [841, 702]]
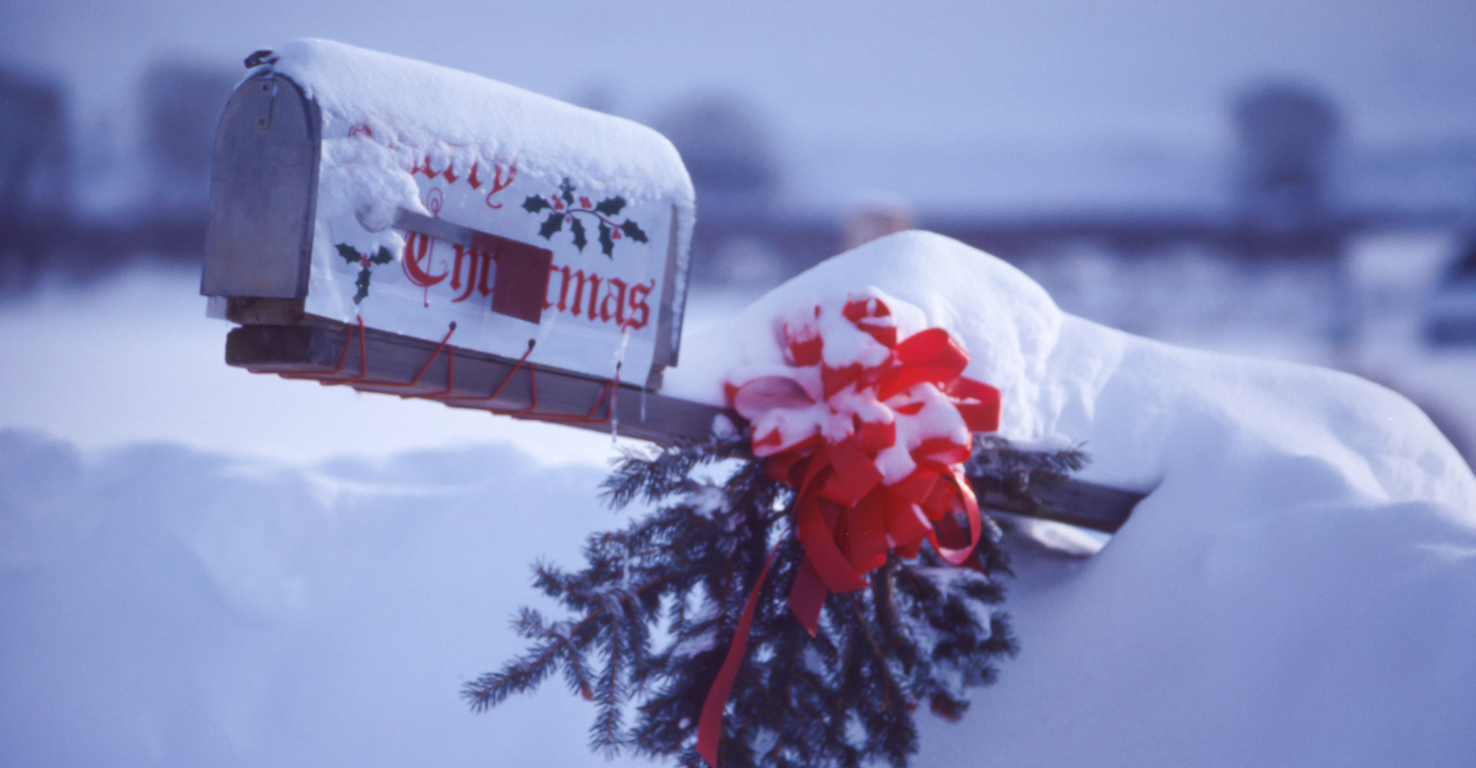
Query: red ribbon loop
[[760, 396], [976, 401], [931, 356]]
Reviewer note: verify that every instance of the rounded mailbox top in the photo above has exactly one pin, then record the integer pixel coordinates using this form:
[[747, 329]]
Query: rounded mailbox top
[[416, 108]]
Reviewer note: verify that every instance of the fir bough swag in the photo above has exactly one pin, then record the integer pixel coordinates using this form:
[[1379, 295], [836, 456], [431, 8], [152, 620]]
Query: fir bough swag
[[657, 604]]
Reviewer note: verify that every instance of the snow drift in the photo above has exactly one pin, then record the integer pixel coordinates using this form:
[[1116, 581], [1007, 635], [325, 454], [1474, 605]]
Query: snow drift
[[160, 606], [1296, 589]]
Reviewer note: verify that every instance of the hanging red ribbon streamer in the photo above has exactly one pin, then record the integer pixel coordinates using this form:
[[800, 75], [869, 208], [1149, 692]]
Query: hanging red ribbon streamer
[[710, 727], [847, 517]]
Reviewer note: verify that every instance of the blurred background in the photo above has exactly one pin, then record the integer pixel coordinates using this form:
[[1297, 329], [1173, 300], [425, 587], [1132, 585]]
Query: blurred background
[[1283, 179]]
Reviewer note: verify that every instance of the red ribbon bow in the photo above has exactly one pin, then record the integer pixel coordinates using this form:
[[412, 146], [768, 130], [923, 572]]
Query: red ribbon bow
[[838, 449]]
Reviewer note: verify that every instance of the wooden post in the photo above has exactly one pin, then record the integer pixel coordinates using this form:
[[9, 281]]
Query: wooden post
[[371, 360]]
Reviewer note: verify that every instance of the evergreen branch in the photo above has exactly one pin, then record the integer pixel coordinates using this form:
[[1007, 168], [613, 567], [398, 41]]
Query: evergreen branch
[[924, 631], [998, 467], [895, 697], [996, 457], [527, 672], [605, 735], [665, 472]]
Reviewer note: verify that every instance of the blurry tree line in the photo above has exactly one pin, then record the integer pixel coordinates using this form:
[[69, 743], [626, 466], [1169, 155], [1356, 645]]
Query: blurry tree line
[[76, 208], [75, 204]]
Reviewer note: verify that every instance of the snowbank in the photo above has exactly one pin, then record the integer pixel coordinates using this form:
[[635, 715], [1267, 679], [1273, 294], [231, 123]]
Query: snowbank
[[165, 606], [1295, 590]]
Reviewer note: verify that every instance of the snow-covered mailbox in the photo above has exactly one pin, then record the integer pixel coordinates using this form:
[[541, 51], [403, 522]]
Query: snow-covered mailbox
[[401, 227]]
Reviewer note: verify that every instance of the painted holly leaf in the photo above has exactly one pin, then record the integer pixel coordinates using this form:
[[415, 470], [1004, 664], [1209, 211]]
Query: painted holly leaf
[[568, 189], [577, 227], [610, 206], [348, 253], [534, 204], [633, 232], [607, 244], [552, 224], [363, 283], [383, 257]]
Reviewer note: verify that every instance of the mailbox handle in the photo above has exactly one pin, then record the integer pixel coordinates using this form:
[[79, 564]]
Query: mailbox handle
[[411, 221]]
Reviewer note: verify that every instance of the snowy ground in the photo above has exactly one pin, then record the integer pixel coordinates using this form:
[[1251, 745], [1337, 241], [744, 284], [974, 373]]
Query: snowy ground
[[160, 605], [203, 567]]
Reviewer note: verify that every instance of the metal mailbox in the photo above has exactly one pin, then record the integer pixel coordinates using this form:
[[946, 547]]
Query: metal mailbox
[[356, 190]]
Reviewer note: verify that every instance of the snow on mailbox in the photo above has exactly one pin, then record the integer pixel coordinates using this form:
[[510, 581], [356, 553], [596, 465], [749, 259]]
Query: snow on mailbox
[[354, 189]]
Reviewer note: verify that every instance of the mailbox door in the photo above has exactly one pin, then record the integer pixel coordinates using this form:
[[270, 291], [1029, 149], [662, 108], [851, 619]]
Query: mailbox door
[[263, 192]]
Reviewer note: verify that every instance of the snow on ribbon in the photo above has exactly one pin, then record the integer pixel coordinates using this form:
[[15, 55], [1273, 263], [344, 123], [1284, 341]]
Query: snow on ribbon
[[873, 431]]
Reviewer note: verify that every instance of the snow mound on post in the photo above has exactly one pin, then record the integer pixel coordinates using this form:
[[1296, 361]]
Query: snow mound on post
[[1148, 412], [1296, 589]]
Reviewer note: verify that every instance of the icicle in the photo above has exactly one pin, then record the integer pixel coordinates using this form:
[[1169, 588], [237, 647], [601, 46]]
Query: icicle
[[615, 388], [615, 407]]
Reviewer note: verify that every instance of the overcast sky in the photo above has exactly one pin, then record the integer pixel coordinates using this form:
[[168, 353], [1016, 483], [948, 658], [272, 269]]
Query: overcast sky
[[1054, 71]]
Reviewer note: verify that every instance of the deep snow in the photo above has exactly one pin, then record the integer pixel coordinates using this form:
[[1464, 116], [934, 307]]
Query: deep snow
[[1295, 590], [165, 606]]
